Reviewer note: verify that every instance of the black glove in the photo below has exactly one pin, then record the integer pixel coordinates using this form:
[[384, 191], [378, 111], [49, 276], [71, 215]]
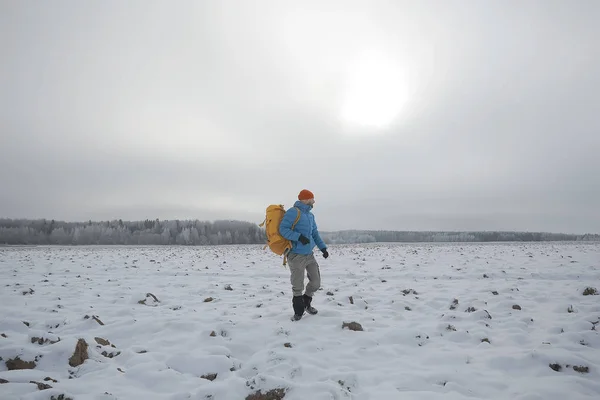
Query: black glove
[[303, 239], [325, 253]]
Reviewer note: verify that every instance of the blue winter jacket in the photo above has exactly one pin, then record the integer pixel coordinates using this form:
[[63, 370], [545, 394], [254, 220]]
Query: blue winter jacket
[[306, 226]]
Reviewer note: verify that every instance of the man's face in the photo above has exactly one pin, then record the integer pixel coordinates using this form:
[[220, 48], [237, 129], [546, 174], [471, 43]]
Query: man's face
[[310, 202]]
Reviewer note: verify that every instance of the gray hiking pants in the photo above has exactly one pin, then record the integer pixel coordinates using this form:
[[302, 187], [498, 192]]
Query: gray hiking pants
[[298, 264]]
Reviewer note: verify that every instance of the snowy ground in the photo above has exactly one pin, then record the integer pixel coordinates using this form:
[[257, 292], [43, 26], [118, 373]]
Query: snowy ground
[[520, 327]]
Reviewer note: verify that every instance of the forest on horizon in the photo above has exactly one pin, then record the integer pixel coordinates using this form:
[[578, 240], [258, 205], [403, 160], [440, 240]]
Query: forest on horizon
[[223, 232]]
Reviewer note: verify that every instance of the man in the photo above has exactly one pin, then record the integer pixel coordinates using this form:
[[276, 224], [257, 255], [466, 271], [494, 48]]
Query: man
[[304, 237]]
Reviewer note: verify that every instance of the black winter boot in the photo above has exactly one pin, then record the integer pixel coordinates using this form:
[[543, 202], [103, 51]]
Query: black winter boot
[[298, 304], [307, 306]]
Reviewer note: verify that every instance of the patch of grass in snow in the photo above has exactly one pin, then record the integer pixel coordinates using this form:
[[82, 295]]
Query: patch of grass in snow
[[42, 341], [581, 369], [61, 397], [103, 342], [17, 363], [41, 386], [149, 295], [273, 394], [95, 318], [454, 304], [556, 367], [590, 291], [30, 291], [210, 377], [353, 326]]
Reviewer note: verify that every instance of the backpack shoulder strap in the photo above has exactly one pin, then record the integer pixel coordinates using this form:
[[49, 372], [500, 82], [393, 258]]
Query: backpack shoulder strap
[[293, 225], [297, 218]]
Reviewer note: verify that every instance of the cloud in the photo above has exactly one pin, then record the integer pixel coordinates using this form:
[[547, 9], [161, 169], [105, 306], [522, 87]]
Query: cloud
[[206, 110]]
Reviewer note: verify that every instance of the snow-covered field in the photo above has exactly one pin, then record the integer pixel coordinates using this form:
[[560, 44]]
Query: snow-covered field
[[440, 321]]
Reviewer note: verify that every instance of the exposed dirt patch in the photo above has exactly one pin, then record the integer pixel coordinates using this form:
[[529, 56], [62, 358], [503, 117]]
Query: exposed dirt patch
[[210, 377], [454, 304], [41, 386], [3, 381], [409, 291], [516, 307], [228, 287], [103, 342], [111, 354], [42, 341], [17, 363], [273, 394], [556, 367], [61, 397], [353, 326], [3, 335], [288, 345], [95, 318], [581, 369], [208, 299], [80, 354], [590, 291], [351, 299]]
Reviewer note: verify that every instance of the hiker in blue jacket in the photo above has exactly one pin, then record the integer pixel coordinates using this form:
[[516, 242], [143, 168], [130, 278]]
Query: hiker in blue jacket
[[304, 237]]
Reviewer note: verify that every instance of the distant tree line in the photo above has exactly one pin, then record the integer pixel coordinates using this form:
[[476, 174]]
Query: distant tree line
[[118, 232], [222, 232], [356, 236]]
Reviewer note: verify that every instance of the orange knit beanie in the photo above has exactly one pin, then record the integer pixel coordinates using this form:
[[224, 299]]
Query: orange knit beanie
[[306, 195]]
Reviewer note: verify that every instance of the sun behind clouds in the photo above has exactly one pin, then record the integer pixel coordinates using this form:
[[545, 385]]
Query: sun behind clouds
[[376, 91]]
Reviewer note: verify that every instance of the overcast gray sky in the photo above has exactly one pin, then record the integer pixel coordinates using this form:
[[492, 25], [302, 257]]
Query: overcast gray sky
[[402, 115]]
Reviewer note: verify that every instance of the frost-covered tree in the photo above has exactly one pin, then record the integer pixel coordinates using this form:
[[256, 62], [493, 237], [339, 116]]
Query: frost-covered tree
[[202, 233]]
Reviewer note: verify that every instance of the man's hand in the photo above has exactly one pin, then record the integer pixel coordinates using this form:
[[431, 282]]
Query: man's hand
[[325, 253], [303, 239]]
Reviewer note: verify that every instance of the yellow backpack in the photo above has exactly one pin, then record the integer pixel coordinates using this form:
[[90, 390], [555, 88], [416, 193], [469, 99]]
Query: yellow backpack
[[277, 243]]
